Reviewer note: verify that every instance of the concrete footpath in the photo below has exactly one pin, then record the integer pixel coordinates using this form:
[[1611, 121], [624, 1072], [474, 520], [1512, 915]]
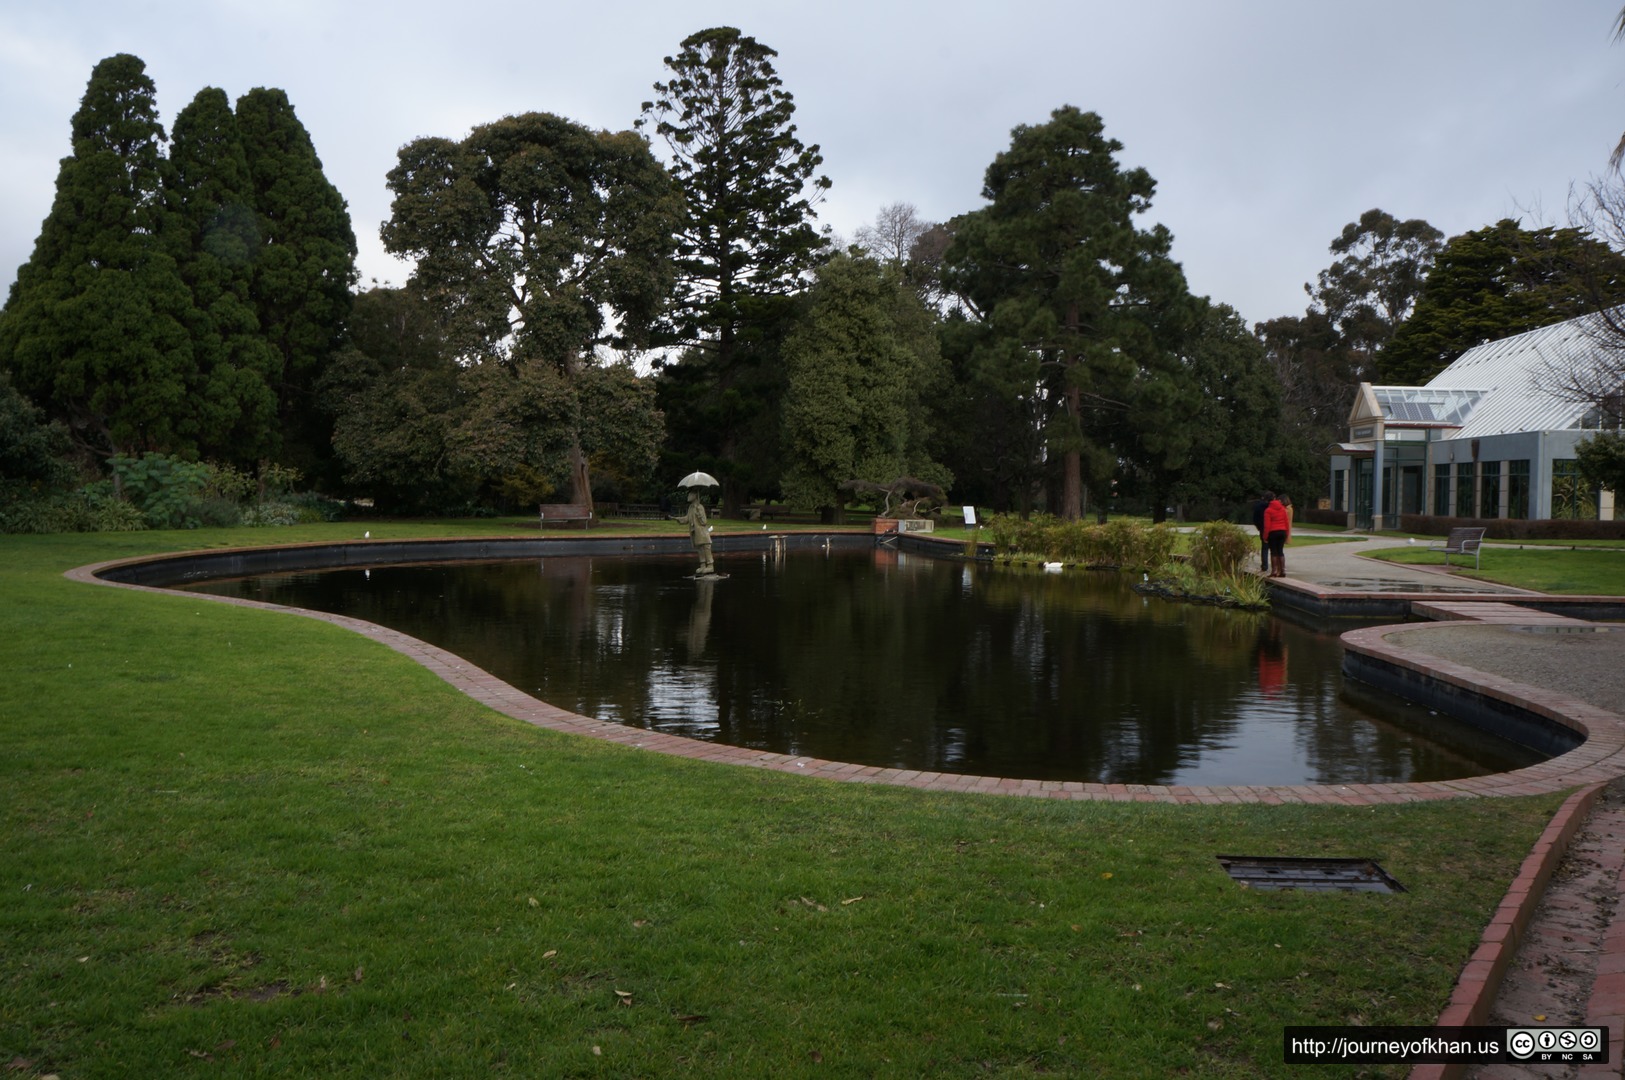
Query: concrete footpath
[[1554, 952]]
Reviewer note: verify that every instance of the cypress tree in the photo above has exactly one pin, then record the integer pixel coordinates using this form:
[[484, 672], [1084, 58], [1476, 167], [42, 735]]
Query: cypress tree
[[303, 270], [214, 238], [95, 327]]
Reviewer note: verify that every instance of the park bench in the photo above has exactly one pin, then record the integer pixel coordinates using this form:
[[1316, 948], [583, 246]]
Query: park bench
[[1462, 541], [564, 513]]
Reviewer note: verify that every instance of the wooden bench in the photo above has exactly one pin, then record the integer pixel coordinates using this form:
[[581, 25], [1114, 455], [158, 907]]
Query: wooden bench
[[1463, 541], [564, 513]]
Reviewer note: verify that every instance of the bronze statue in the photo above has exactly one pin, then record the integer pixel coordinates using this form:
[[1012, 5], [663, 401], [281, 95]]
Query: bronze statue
[[699, 532]]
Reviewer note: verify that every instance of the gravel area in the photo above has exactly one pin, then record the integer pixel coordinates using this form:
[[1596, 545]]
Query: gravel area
[[1587, 666]]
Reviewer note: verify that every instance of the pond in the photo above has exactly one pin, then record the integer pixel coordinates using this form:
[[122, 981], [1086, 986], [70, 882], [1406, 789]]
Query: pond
[[889, 659]]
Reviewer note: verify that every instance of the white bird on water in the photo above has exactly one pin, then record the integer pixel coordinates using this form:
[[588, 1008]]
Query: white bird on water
[[1052, 567]]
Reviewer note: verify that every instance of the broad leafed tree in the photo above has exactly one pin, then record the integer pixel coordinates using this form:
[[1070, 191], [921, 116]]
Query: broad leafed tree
[[540, 241]]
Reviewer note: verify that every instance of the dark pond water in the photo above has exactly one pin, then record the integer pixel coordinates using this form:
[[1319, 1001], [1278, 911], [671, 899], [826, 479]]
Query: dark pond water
[[888, 659]]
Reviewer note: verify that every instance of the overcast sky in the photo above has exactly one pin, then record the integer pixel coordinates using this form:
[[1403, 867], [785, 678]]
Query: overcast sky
[[1267, 124]]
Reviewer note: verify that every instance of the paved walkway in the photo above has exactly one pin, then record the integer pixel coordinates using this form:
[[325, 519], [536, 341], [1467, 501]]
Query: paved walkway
[[1554, 952]]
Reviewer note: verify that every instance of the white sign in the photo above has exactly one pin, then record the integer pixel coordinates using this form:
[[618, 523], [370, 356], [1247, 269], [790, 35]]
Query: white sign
[[970, 515]]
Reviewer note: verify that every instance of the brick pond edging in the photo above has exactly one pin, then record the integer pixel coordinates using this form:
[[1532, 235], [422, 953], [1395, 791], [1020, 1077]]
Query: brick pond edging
[[1600, 757]]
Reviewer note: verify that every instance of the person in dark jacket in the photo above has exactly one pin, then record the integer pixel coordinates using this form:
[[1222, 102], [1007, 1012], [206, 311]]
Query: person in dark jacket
[[1278, 527], [1263, 538]]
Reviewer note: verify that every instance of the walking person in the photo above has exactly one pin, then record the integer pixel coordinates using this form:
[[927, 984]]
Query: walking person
[[1278, 529]]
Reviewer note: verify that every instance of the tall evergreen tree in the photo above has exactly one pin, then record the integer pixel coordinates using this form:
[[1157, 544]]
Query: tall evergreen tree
[[862, 363], [1498, 281], [303, 269], [1074, 294], [742, 254], [214, 238], [95, 327]]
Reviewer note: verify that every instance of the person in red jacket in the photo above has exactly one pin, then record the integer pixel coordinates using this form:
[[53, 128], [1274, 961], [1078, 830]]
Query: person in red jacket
[[1278, 528]]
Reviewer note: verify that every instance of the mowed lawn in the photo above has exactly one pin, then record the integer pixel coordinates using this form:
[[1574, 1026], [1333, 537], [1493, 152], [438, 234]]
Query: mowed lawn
[[242, 843]]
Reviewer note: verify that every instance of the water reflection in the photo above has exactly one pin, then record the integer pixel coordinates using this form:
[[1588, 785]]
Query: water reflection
[[898, 660]]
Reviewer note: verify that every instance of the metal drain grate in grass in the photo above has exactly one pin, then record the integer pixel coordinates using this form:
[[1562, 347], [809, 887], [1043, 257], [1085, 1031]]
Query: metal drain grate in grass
[[1321, 875]]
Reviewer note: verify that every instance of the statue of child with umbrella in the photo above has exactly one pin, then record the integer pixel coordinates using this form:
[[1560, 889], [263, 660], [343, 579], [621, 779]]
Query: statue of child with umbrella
[[694, 517]]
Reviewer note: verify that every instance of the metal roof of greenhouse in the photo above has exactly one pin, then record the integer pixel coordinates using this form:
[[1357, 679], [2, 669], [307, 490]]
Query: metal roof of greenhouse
[[1503, 378]]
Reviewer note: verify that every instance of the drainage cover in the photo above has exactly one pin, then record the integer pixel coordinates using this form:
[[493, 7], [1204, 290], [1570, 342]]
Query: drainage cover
[[1347, 875]]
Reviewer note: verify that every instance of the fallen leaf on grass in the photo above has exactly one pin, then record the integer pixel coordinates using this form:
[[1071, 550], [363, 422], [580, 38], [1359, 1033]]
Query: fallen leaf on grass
[[1106, 875], [624, 996], [550, 954], [816, 1057], [19, 1064], [535, 902], [695, 1019], [854, 900]]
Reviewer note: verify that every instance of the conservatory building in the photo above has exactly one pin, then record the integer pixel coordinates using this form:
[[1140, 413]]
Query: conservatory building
[[1481, 440]]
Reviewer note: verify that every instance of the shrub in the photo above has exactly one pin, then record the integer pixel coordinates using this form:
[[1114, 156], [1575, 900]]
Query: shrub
[[1220, 549], [85, 510], [272, 513], [1516, 528], [166, 489]]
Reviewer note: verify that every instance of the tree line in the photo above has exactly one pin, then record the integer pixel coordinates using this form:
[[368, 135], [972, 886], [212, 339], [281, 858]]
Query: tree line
[[584, 320]]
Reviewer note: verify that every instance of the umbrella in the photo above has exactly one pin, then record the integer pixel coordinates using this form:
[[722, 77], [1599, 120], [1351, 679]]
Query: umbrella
[[698, 479]]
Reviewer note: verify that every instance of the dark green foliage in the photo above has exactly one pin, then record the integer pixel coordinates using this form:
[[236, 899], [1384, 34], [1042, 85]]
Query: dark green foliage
[[539, 240], [1074, 298], [1209, 433], [862, 363], [214, 239], [747, 241], [166, 490], [32, 450], [394, 394], [1601, 459], [303, 269], [1493, 283], [96, 326]]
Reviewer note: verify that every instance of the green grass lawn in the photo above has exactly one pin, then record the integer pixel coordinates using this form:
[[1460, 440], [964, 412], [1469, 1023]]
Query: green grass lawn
[[249, 844], [1550, 569]]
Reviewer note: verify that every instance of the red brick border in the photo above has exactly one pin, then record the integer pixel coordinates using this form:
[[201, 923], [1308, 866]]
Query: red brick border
[[1600, 758]]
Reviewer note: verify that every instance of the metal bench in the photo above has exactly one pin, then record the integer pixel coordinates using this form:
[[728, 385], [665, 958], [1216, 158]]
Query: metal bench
[[1462, 541], [564, 513]]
